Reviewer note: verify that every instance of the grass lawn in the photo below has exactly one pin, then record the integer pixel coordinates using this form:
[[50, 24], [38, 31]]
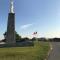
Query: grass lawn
[[38, 52]]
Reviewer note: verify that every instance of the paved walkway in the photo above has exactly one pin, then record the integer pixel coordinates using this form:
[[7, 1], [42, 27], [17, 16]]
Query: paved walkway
[[55, 53]]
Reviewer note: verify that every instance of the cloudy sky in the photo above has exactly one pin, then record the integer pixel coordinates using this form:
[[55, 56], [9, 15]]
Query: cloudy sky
[[42, 16]]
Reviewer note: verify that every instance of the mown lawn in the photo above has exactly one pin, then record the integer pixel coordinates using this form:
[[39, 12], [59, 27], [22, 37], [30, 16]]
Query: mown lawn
[[38, 52]]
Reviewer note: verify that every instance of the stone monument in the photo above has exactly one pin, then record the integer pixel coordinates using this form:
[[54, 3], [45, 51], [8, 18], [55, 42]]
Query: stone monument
[[10, 35]]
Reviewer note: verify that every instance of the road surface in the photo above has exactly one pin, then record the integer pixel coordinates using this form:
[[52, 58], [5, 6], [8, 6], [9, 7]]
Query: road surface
[[55, 53]]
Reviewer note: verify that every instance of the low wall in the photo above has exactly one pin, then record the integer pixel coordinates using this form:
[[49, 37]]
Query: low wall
[[18, 44]]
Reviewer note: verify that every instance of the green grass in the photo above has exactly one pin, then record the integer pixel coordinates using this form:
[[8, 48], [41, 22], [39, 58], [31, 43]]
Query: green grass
[[38, 52]]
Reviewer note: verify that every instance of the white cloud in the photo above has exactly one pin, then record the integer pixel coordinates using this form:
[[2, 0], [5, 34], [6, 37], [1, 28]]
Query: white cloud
[[1, 37], [26, 26], [53, 34]]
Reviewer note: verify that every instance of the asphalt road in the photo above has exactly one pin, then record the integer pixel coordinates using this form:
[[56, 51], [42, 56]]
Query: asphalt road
[[55, 53]]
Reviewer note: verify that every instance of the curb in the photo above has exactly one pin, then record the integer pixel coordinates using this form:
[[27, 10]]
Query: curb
[[51, 48]]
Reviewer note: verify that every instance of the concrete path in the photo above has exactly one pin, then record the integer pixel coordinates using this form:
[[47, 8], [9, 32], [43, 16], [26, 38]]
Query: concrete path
[[55, 53]]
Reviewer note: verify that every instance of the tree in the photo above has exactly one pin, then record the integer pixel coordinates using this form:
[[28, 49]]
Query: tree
[[18, 37], [25, 39]]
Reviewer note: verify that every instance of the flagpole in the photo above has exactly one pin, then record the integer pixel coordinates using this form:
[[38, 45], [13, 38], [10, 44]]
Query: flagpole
[[36, 40]]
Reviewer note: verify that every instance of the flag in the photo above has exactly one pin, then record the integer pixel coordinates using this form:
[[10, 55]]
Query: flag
[[34, 33]]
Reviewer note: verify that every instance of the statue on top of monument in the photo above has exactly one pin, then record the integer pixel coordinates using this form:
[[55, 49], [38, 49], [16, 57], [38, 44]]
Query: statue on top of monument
[[11, 6]]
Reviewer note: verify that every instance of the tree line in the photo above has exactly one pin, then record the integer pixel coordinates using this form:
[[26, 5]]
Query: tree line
[[20, 39]]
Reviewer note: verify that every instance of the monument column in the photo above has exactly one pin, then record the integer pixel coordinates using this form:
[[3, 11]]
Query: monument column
[[10, 36]]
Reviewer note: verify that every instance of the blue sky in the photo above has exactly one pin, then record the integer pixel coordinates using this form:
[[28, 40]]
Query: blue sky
[[42, 16]]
